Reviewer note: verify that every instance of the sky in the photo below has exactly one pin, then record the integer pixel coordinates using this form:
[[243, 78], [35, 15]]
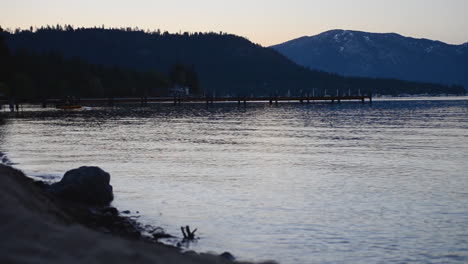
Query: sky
[[266, 22]]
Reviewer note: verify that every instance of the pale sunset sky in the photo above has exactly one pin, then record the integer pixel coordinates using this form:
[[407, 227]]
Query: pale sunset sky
[[266, 22]]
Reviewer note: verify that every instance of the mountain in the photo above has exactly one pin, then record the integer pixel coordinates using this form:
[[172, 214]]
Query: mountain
[[355, 53], [226, 64]]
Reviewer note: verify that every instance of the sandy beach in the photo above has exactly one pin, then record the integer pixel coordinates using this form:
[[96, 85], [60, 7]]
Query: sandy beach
[[36, 229]]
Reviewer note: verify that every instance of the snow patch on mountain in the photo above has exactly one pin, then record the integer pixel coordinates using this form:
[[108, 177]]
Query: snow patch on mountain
[[388, 55]]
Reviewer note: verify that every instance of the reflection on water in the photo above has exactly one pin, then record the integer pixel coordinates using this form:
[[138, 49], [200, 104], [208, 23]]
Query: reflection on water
[[316, 183]]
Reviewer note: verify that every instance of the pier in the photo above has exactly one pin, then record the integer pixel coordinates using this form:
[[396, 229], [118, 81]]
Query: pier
[[277, 99], [210, 100], [143, 101]]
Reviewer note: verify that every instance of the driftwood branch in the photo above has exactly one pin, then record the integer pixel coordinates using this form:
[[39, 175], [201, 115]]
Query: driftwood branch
[[188, 235]]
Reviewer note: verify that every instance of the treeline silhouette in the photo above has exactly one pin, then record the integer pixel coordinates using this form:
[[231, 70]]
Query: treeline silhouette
[[220, 64], [30, 74]]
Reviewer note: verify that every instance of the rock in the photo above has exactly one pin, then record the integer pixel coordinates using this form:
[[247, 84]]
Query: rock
[[110, 211], [161, 235], [87, 185], [126, 212], [228, 256]]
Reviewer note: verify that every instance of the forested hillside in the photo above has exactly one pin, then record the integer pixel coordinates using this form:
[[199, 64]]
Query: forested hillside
[[224, 64], [29, 74]]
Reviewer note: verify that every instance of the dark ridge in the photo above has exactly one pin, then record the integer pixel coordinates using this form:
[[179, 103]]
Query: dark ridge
[[225, 64], [380, 55]]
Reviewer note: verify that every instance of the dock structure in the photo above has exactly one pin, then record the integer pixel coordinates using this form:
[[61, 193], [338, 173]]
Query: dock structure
[[239, 100], [277, 99], [143, 101]]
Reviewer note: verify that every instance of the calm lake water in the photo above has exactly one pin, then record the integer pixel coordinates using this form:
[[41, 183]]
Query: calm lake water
[[318, 183]]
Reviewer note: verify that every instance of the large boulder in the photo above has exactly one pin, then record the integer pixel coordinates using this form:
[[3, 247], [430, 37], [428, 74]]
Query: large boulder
[[87, 185]]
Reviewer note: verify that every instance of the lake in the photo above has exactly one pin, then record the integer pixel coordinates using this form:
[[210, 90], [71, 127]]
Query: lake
[[312, 183]]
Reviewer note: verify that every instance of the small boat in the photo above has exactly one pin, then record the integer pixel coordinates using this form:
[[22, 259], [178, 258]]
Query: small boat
[[68, 107]]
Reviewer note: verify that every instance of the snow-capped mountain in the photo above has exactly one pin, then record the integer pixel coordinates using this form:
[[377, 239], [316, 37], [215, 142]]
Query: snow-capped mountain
[[355, 53]]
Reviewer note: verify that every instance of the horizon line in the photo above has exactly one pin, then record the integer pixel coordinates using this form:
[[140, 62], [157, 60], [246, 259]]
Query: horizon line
[[180, 32]]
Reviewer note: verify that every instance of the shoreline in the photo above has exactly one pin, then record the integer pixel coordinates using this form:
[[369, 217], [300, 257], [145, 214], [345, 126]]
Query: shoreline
[[41, 228]]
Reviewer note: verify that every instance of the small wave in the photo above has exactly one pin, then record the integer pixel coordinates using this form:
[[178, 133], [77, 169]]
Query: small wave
[[5, 160], [48, 178]]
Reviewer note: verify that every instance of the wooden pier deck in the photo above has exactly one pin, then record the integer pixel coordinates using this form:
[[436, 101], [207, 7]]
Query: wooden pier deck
[[209, 100], [271, 100]]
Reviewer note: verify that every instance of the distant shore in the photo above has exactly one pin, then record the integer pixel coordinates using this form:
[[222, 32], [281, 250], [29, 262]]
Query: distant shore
[[37, 228]]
